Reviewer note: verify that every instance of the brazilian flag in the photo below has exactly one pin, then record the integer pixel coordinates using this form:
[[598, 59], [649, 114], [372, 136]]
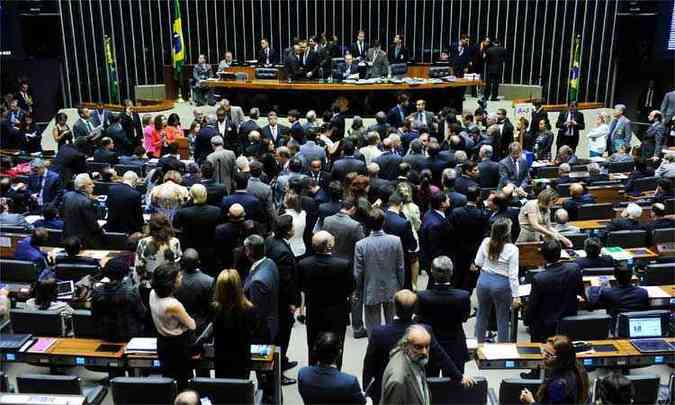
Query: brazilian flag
[[574, 72], [111, 66], [178, 45]]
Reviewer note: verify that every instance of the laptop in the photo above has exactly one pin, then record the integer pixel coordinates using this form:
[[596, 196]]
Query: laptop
[[65, 289], [645, 335]]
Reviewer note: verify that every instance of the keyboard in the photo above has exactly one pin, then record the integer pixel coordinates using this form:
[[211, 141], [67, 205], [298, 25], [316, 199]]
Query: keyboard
[[652, 345]]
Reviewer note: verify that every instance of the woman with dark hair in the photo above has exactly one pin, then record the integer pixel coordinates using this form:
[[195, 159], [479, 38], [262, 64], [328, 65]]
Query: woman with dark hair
[[46, 298], [195, 127], [497, 286], [566, 380], [359, 189], [235, 326], [158, 248], [172, 323], [29, 134], [61, 132], [293, 208], [154, 136], [173, 129], [425, 190], [542, 141]]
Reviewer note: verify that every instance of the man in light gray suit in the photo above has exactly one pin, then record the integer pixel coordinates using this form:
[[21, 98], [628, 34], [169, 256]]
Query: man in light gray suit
[[513, 168], [668, 107], [262, 191], [236, 113], [378, 270], [377, 61], [224, 163], [404, 380], [347, 232], [620, 131]]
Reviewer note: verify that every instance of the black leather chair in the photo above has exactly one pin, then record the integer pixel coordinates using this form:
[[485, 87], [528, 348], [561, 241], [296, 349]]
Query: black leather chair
[[14, 229], [670, 206], [75, 272], [60, 385], [399, 69], [620, 167], [143, 390], [663, 235], [627, 239], [84, 325], [563, 189], [645, 184], [439, 71], [267, 73], [55, 237], [510, 388], [115, 241], [18, 271], [598, 271], [595, 211], [606, 183], [658, 274], [646, 388], [4, 382], [36, 322], [585, 327], [225, 391], [577, 239], [444, 391], [121, 169], [547, 172], [96, 166]]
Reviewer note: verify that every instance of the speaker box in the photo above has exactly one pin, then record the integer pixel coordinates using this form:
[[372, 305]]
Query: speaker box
[[519, 91], [155, 92]]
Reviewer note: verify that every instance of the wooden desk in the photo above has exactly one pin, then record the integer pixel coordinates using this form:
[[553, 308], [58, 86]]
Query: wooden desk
[[71, 352], [334, 87], [528, 355], [8, 242], [590, 224], [606, 194]]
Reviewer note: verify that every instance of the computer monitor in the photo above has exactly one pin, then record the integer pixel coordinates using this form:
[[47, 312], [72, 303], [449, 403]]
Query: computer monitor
[[643, 324], [644, 327]]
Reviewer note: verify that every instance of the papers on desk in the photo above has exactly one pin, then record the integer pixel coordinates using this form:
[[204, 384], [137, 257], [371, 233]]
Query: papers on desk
[[524, 290], [471, 344], [655, 292], [142, 345], [42, 345], [494, 351], [617, 253], [31, 219], [540, 163]]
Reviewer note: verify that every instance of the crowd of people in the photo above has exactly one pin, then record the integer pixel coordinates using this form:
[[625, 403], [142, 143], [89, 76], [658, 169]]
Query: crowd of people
[[257, 215]]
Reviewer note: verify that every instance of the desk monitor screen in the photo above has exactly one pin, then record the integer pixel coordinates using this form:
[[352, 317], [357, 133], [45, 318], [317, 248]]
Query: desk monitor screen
[[644, 327], [109, 348]]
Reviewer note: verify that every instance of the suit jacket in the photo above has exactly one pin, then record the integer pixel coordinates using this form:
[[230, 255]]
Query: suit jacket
[[120, 138], [653, 140], [53, 187], [395, 224], [562, 119], [198, 224], [382, 340], [460, 58], [282, 134], [80, 219], [488, 172], [389, 163], [594, 262], [380, 63], [133, 126], [328, 385], [263, 193], [623, 299], [400, 57], [462, 184], [620, 132], [396, 116], [100, 118], [446, 309], [224, 167], [346, 232], [668, 106], [495, 57], [400, 385], [261, 287], [280, 252], [345, 165], [170, 162], [214, 191], [571, 205], [293, 67], [69, 162], [378, 267], [247, 200], [270, 57], [417, 161], [125, 209], [344, 70], [511, 213], [311, 151], [508, 174], [553, 297], [203, 143], [356, 53], [103, 155], [623, 224], [435, 236]]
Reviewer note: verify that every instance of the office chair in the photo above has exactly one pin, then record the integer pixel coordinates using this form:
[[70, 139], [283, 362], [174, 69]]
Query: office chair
[[267, 73], [75, 272], [121, 169], [436, 72], [399, 69], [143, 390], [646, 388], [620, 167], [627, 239], [114, 241], [577, 239], [55, 237], [14, 229], [645, 184], [97, 166], [37, 322], [606, 183], [84, 325], [510, 388], [444, 391], [585, 327], [563, 189], [547, 172], [595, 211], [59, 385], [663, 235], [18, 271], [598, 271], [225, 391], [658, 274]]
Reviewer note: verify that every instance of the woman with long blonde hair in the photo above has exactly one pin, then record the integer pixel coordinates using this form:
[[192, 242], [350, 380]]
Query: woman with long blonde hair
[[234, 326]]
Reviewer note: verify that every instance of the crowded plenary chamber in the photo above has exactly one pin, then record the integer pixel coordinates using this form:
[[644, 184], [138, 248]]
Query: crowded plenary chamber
[[409, 202]]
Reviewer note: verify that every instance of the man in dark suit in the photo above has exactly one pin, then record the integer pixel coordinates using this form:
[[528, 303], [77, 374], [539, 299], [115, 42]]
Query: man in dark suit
[[514, 168], [203, 140], [73, 247], [359, 48], [170, 160], [461, 54], [253, 207], [214, 191], [198, 223], [415, 158], [118, 134], [469, 177], [266, 55], [625, 297], [397, 115], [397, 53], [504, 137], [100, 117], [125, 206], [327, 282], [323, 383], [43, 184], [348, 69], [569, 124], [445, 309], [137, 159], [593, 259], [293, 64], [472, 221], [273, 130], [659, 219], [578, 197], [437, 163], [384, 338], [80, 214], [436, 231], [388, 161], [261, 286], [279, 251], [24, 97], [488, 169], [554, 293], [500, 205], [132, 124], [396, 224], [106, 152], [494, 56], [84, 130], [347, 163], [421, 117], [69, 161]]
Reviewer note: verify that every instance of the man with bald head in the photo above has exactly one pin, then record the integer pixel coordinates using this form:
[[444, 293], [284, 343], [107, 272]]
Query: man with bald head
[[327, 282], [383, 338], [407, 363], [188, 397], [578, 197], [229, 237]]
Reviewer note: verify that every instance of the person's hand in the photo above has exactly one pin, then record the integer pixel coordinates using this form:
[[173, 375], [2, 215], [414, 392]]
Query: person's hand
[[526, 396], [467, 381], [516, 303], [568, 243], [473, 267]]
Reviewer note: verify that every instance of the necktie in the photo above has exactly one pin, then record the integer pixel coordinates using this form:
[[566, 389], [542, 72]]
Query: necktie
[[396, 51], [267, 56], [515, 163], [304, 58], [400, 111], [648, 101], [89, 126], [42, 189]]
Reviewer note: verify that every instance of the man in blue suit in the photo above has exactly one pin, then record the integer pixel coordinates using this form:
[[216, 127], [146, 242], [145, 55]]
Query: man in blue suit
[[324, 383], [513, 168], [620, 131], [436, 231], [579, 197], [43, 184], [625, 297], [250, 202], [396, 116], [262, 287]]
